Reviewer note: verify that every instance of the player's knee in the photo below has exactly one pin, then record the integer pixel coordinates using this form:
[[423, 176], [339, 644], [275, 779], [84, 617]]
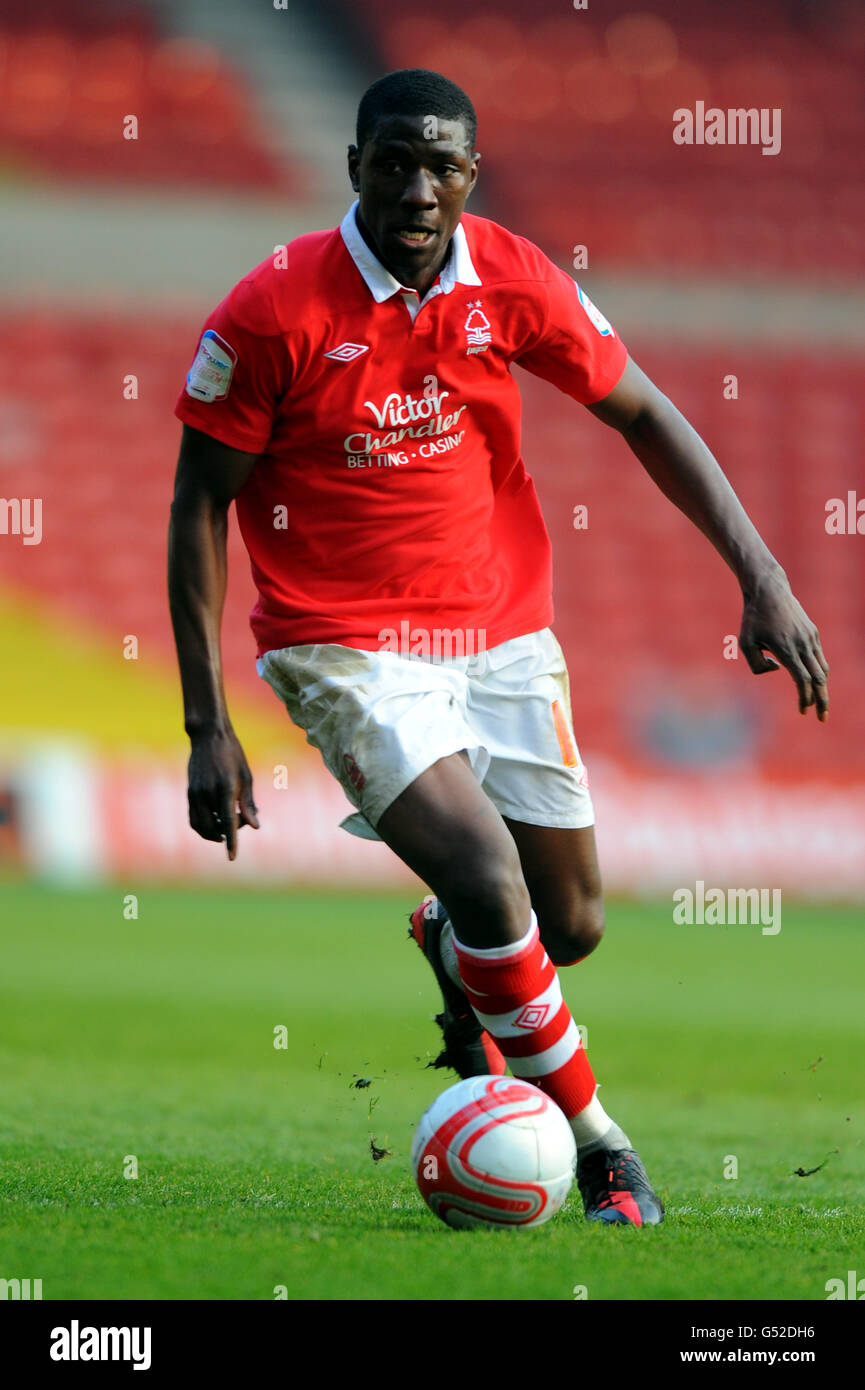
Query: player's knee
[[488, 902], [574, 934]]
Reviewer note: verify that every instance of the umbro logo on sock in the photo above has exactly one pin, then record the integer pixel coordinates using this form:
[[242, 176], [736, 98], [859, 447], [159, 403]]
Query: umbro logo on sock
[[532, 1016]]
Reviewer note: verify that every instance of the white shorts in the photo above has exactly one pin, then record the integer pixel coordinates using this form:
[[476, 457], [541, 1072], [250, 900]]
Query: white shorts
[[380, 719]]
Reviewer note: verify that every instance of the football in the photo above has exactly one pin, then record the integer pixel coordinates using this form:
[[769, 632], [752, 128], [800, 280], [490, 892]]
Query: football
[[493, 1151]]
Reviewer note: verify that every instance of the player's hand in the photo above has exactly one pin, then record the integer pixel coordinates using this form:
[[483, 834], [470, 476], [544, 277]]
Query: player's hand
[[775, 620], [220, 789]]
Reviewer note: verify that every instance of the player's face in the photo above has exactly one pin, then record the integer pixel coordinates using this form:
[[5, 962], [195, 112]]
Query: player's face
[[413, 178]]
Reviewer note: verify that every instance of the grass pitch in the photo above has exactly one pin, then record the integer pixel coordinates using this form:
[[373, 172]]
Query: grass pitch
[[153, 1041]]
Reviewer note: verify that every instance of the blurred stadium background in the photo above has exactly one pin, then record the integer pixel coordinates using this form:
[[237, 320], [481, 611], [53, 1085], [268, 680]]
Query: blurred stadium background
[[712, 262]]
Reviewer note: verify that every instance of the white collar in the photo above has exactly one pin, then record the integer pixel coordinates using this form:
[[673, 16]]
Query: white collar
[[458, 268]]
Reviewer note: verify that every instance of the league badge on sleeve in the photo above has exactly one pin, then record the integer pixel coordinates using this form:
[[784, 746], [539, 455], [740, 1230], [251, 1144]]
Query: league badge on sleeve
[[604, 327], [209, 377]]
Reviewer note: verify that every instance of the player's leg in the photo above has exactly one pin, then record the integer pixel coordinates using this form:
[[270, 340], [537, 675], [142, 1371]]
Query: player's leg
[[560, 867], [561, 870], [451, 835], [468, 1049], [446, 829], [520, 708]]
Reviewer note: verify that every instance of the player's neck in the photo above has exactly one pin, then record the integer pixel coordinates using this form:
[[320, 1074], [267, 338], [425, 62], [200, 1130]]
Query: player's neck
[[419, 280]]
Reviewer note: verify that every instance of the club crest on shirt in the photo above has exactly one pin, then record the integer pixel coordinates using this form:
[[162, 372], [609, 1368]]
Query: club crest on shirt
[[477, 327], [209, 377]]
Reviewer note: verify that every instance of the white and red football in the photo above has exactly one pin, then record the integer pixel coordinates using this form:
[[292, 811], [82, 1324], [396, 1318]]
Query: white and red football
[[493, 1151]]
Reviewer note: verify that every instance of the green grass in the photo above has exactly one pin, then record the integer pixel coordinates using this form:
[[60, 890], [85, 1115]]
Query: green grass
[[154, 1038]]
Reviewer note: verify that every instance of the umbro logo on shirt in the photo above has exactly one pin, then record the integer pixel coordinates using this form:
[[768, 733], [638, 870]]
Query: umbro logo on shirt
[[347, 352]]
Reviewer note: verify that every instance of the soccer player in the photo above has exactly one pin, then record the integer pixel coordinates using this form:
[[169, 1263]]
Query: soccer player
[[353, 396]]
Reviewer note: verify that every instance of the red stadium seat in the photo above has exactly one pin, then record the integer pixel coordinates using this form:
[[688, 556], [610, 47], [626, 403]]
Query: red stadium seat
[[582, 106], [185, 97]]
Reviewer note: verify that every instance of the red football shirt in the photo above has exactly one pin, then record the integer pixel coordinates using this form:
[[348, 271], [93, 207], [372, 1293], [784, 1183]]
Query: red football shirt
[[390, 489]]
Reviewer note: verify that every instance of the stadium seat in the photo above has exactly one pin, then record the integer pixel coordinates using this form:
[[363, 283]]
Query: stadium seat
[[83, 75], [582, 106]]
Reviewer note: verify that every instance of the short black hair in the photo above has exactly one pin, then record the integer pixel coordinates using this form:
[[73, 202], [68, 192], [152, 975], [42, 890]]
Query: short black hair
[[414, 92]]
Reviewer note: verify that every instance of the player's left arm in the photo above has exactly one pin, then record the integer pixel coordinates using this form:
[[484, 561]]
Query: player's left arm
[[681, 465]]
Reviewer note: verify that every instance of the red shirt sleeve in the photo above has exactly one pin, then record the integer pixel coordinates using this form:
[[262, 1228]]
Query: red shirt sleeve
[[577, 350], [239, 372]]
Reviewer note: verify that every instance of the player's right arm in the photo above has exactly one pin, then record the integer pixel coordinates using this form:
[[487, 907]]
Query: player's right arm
[[209, 475]]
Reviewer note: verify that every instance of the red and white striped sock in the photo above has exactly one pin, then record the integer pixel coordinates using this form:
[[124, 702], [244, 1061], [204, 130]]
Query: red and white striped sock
[[515, 992]]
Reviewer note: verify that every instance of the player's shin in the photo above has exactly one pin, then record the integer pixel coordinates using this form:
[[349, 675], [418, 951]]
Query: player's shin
[[515, 993]]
